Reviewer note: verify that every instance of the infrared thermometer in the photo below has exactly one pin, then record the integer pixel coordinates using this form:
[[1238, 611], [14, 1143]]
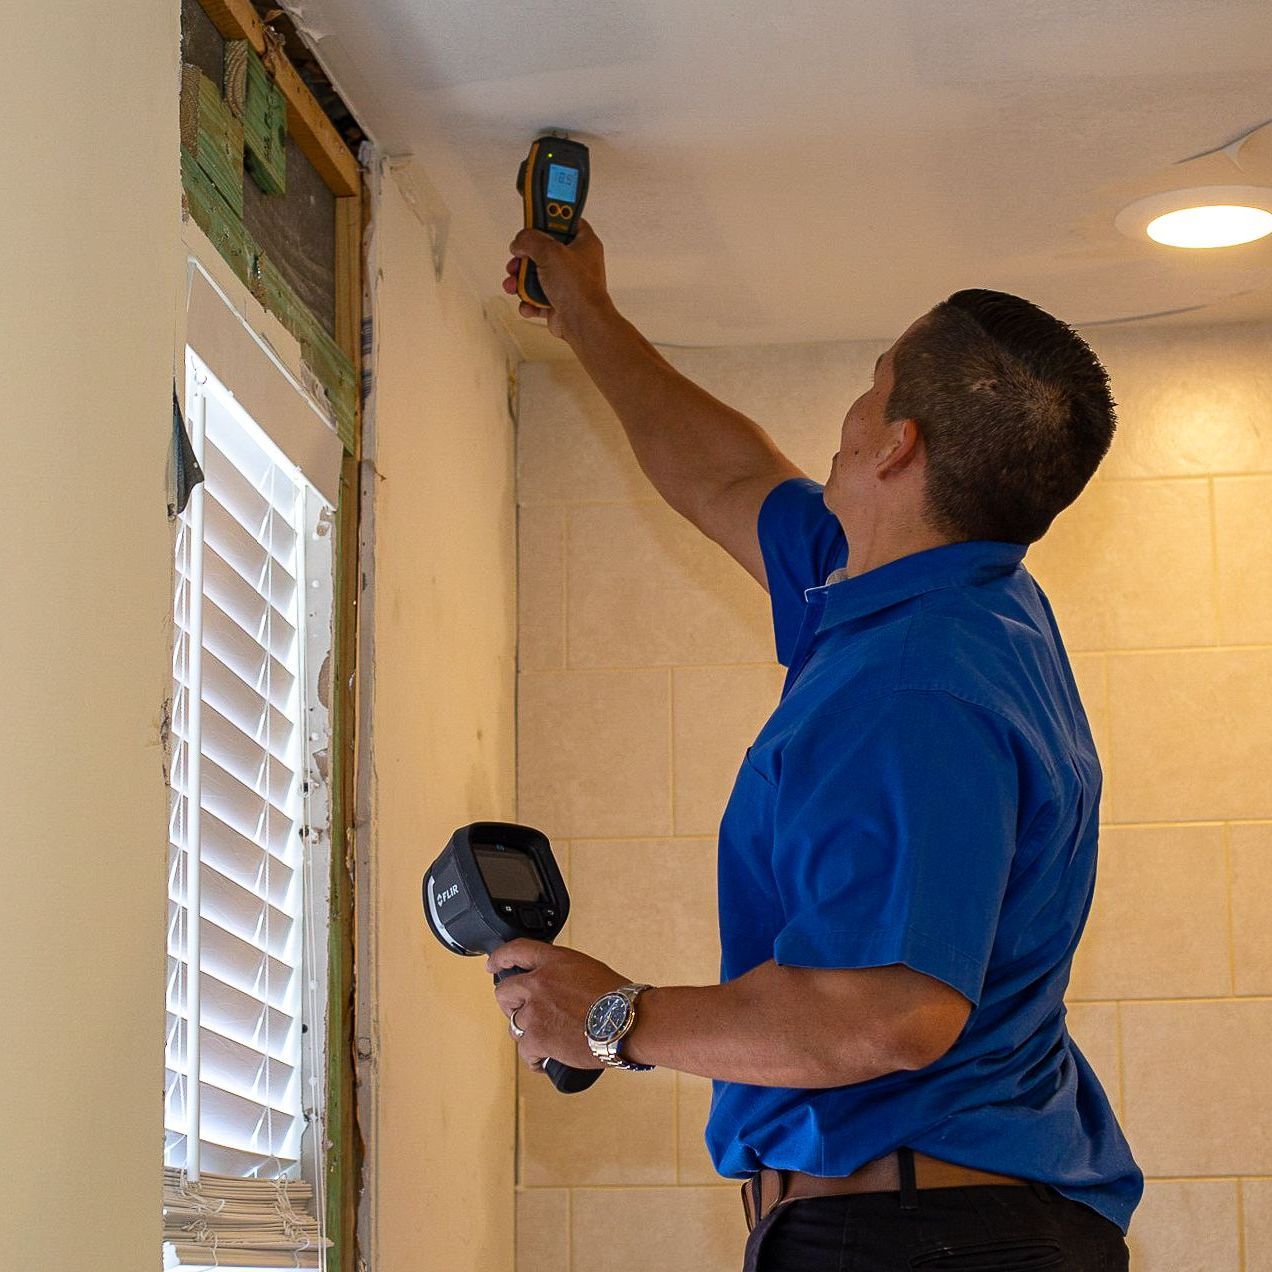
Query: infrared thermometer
[[492, 883], [552, 182]]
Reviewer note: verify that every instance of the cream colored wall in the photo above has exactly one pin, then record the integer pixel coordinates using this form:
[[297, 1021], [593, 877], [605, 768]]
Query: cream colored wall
[[646, 666], [93, 286], [440, 1086], [91, 272]]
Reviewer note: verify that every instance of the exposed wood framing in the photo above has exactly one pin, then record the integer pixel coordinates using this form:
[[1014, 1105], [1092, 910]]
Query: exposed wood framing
[[344, 1164], [205, 185], [212, 136], [344, 1168], [214, 216], [328, 361], [253, 96], [349, 275], [314, 132]]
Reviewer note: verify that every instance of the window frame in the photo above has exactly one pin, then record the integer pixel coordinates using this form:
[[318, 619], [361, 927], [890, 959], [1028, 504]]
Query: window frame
[[259, 334]]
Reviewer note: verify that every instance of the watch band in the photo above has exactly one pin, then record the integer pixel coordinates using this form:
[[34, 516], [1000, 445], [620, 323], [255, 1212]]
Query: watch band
[[608, 1052]]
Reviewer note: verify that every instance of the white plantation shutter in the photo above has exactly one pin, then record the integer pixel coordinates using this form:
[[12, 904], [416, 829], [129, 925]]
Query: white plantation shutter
[[241, 1073]]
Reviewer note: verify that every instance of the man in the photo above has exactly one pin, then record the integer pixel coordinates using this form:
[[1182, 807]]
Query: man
[[908, 855]]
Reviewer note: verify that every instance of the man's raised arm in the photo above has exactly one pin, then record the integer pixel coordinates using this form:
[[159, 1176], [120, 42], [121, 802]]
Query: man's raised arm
[[711, 463]]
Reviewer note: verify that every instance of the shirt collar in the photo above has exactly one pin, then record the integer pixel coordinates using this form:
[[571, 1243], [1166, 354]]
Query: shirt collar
[[950, 565]]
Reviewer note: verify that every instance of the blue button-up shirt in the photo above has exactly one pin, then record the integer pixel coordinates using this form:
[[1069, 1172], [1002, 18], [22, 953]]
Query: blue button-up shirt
[[926, 793]]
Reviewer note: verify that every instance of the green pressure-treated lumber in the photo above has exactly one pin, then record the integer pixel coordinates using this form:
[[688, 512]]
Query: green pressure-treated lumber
[[310, 129], [254, 97], [332, 367], [342, 1161], [321, 354], [218, 221], [212, 135]]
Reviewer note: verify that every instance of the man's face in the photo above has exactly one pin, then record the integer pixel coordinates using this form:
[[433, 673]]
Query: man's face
[[853, 489]]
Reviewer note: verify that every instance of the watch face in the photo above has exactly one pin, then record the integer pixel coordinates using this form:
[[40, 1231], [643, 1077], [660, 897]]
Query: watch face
[[607, 1016]]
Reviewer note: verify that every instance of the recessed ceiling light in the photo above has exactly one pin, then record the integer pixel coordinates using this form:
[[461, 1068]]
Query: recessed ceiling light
[[1206, 216], [1211, 225]]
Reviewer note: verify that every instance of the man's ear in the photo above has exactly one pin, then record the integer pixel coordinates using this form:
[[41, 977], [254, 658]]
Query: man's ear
[[904, 446]]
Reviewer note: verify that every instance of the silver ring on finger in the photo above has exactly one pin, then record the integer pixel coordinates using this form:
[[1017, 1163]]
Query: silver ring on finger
[[517, 1031]]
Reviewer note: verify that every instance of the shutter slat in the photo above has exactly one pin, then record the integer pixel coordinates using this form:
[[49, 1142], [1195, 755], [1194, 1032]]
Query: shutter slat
[[246, 810], [256, 567], [241, 914], [238, 858], [253, 709], [233, 1066], [253, 460], [235, 492], [246, 607], [239, 962], [251, 751], [238, 1016], [216, 1159], [247, 1053], [274, 535], [233, 1121], [237, 1061], [238, 1072], [239, 653], [274, 541]]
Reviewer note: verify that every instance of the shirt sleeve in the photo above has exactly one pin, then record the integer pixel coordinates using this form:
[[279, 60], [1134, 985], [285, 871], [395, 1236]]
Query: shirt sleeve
[[894, 837], [802, 542]]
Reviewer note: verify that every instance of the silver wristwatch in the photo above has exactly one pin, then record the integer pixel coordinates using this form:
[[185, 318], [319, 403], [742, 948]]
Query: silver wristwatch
[[609, 1020]]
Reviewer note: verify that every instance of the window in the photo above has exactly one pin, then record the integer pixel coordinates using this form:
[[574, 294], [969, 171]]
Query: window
[[244, 1089]]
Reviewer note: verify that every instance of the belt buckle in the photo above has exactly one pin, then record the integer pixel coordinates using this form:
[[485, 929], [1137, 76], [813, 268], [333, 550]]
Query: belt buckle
[[748, 1202], [753, 1197]]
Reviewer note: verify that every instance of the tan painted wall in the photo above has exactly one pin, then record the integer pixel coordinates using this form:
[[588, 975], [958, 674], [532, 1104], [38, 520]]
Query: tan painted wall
[[444, 753], [88, 330], [91, 272], [646, 666]]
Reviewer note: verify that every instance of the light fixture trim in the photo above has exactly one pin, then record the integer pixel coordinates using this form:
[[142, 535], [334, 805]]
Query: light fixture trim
[[1135, 219]]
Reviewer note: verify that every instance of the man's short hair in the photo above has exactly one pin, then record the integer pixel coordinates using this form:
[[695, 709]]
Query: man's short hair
[[1014, 409]]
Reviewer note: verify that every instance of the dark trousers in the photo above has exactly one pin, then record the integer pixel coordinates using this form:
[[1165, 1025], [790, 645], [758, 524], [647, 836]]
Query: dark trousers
[[981, 1228]]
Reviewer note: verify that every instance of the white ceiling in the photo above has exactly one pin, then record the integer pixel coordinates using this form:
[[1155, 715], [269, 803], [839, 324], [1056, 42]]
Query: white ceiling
[[829, 169]]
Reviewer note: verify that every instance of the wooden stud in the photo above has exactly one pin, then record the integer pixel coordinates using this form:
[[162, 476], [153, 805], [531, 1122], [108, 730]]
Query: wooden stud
[[321, 354], [254, 98], [211, 135], [335, 371], [214, 216], [315, 134], [342, 1165], [349, 275]]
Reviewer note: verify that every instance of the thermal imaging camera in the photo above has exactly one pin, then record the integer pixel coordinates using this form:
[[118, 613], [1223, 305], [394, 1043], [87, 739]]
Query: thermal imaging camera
[[492, 883], [552, 182]]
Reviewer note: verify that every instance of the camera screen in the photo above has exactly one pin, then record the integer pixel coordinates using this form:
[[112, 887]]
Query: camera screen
[[509, 875]]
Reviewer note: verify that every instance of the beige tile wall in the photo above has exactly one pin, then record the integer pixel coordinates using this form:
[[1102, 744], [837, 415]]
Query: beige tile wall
[[646, 666]]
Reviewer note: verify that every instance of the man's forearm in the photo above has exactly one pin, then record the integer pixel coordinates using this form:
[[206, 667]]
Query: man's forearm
[[768, 1029], [688, 443]]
